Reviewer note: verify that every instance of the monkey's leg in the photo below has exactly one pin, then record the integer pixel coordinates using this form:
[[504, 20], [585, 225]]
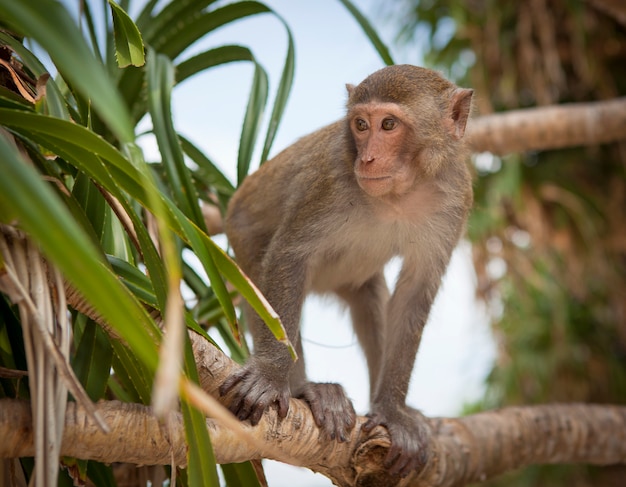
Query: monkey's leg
[[407, 313], [368, 305]]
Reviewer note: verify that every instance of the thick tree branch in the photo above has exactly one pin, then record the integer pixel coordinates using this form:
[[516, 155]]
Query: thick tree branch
[[549, 127], [463, 450], [613, 8]]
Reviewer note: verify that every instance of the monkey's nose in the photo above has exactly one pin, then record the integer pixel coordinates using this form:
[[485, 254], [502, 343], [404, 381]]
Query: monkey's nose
[[368, 159]]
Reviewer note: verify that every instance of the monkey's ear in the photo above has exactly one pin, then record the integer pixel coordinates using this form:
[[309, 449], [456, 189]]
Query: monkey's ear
[[460, 107], [350, 87]]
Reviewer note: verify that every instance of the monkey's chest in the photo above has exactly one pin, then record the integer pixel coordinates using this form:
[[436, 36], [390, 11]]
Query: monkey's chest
[[352, 258]]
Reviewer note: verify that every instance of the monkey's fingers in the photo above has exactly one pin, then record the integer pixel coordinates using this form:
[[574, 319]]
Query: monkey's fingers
[[342, 425], [332, 411], [408, 450], [241, 404], [251, 395], [256, 401], [400, 462], [409, 447], [231, 382], [403, 463], [283, 406], [373, 420], [256, 406]]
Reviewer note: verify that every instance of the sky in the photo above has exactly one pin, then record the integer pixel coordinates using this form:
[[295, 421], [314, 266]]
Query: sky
[[457, 350]]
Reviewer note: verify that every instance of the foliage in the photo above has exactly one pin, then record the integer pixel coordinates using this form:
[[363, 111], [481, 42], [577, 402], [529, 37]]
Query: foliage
[[75, 180], [548, 227]]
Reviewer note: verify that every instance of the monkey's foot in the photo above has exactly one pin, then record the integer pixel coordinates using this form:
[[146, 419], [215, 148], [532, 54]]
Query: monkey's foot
[[253, 391], [410, 436], [332, 410]]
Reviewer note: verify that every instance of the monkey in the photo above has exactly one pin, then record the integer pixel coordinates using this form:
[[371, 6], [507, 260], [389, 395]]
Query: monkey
[[325, 216]]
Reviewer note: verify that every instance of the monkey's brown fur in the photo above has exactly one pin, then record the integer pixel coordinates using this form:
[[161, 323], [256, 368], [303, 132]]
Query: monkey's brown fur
[[326, 215]]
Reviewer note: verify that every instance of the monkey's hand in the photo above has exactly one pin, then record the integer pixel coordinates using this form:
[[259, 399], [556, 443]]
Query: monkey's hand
[[410, 437], [332, 410], [255, 388]]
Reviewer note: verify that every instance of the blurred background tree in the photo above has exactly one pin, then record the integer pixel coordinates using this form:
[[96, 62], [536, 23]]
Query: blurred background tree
[[549, 228]]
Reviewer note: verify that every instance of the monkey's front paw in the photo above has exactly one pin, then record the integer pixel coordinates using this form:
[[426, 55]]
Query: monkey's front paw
[[331, 408], [253, 391], [410, 437]]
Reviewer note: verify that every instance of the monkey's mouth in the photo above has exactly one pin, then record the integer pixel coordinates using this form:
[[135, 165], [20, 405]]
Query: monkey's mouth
[[375, 185], [373, 178]]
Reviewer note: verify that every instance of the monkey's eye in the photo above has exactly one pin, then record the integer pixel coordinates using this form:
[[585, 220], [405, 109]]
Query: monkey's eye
[[360, 124], [389, 124]]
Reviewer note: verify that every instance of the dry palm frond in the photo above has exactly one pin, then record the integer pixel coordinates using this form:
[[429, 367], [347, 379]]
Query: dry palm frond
[[37, 289], [43, 314]]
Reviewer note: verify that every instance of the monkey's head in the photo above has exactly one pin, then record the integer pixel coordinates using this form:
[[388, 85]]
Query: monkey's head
[[407, 123]]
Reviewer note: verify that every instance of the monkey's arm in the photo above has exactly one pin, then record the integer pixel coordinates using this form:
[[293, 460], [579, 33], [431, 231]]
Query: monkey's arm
[[264, 380]]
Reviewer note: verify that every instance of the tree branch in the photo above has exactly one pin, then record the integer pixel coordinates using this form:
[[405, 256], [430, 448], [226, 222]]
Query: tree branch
[[551, 127], [613, 8], [462, 450]]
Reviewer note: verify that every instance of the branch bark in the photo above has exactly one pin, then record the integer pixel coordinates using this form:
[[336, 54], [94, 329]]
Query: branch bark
[[613, 8], [552, 127], [463, 450]]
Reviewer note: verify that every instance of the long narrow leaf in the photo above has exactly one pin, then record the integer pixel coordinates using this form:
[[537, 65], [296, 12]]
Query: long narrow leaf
[[146, 18], [201, 465], [251, 294], [240, 475], [198, 241], [174, 12], [160, 82], [213, 57], [76, 135], [135, 377], [252, 121], [92, 360], [178, 36], [214, 176], [370, 32], [282, 94], [85, 10]]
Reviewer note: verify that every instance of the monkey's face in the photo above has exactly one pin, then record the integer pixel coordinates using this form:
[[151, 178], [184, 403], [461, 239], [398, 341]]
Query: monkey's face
[[385, 161]]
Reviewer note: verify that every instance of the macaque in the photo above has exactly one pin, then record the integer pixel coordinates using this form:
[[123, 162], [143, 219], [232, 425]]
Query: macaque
[[325, 216]]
